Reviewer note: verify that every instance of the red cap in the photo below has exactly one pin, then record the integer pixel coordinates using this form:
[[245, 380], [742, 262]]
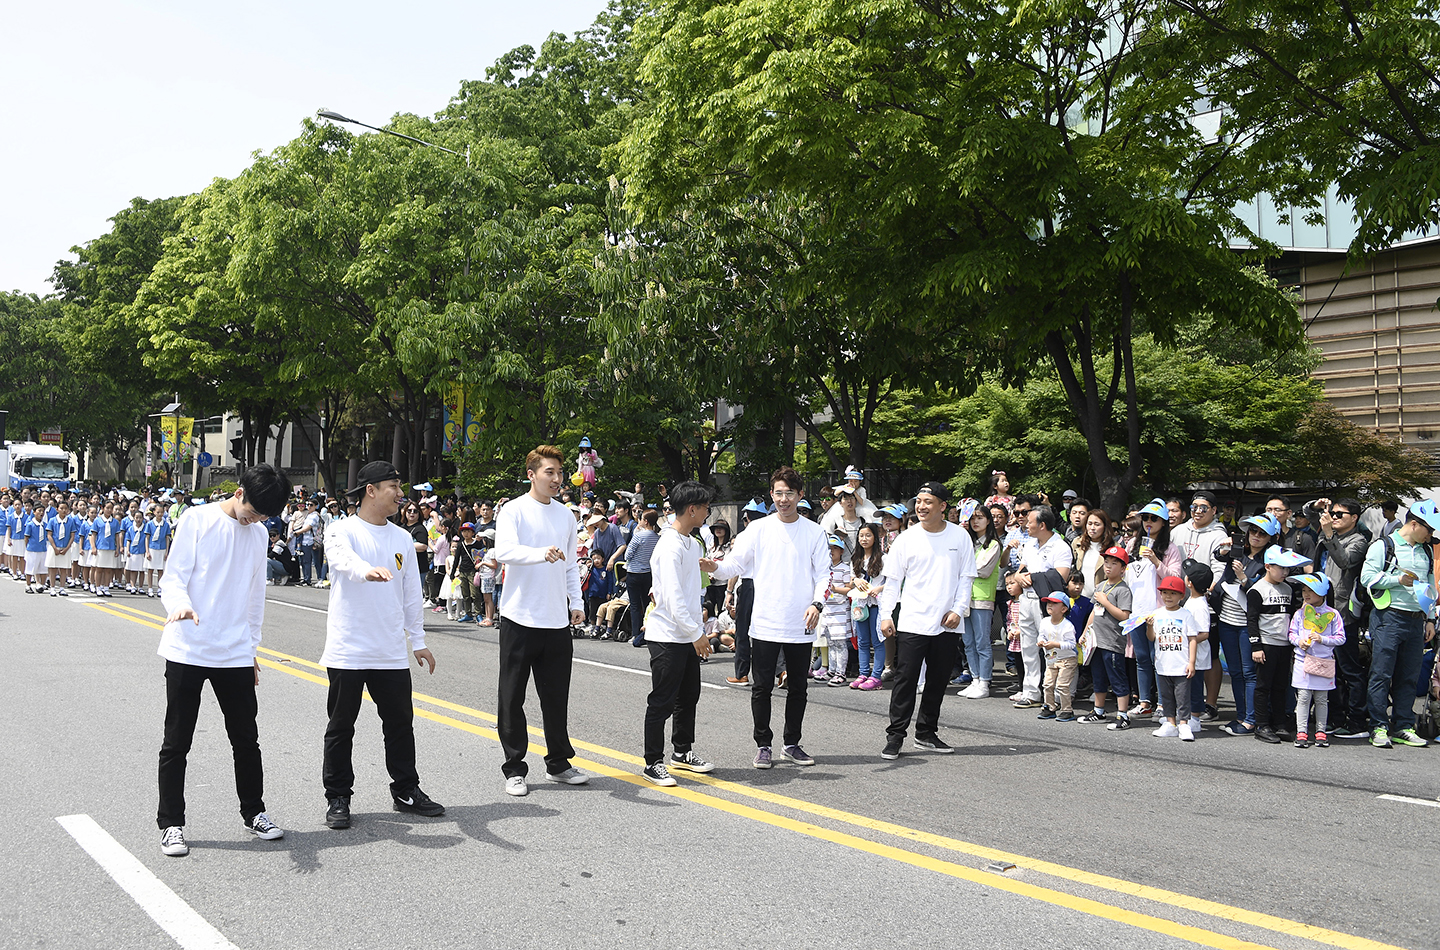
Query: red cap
[[1172, 583], [1118, 553]]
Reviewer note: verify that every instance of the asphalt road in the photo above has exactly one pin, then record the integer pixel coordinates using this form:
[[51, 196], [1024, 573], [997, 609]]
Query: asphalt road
[[1117, 839]]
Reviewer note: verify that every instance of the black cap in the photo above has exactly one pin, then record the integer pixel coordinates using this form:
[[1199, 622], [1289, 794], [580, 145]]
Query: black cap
[[373, 473], [937, 489], [1198, 573]]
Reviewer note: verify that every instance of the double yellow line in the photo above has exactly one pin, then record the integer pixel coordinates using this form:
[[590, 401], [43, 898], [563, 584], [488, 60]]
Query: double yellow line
[[301, 668]]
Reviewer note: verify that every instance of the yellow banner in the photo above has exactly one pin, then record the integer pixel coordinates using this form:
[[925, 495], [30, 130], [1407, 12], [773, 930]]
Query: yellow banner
[[168, 439]]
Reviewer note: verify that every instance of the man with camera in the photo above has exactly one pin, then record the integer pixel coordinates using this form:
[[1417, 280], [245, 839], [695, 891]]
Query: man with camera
[[1342, 552]]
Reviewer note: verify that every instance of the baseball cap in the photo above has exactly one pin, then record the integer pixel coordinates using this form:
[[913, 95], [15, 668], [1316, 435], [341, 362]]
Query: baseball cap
[[935, 489], [1060, 597], [1171, 583], [1118, 553], [1266, 523], [1319, 583], [467, 526], [373, 473], [837, 543], [1282, 558]]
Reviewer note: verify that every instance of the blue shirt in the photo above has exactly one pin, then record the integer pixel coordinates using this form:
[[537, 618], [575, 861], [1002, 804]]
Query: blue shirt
[[62, 530], [637, 556], [106, 533], [158, 533], [35, 535]]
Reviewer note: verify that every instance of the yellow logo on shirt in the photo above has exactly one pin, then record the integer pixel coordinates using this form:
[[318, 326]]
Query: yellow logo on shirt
[[399, 560]]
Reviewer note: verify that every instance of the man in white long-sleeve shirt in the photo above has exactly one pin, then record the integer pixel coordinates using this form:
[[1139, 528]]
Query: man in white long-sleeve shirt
[[216, 574], [789, 559], [676, 637], [934, 563], [375, 620], [535, 540]]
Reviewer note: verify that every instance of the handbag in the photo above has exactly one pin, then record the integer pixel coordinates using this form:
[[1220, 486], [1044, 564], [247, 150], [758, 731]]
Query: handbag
[[859, 612], [1319, 666]]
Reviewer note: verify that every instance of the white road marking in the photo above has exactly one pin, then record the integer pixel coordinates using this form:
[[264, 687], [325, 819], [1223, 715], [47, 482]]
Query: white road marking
[[164, 906], [631, 669], [1409, 801], [286, 603]]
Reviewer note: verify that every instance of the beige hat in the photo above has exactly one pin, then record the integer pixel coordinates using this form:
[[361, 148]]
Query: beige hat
[[594, 520]]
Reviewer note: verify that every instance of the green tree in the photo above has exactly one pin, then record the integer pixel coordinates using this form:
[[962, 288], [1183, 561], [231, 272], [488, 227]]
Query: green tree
[[1341, 94], [1021, 182]]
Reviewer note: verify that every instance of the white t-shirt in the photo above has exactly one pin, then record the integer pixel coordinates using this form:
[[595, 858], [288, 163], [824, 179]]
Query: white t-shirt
[[216, 568], [930, 574], [1037, 558], [372, 625], [1173, 631], [537, 593], [1062, 633], [790, 564], [1199, 609], [675, 585]]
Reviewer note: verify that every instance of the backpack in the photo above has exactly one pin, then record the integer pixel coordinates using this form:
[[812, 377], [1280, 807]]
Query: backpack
[[1362, 600]]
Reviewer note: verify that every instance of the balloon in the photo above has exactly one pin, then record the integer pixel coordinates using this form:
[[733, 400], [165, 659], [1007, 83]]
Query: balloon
[[577, 479]]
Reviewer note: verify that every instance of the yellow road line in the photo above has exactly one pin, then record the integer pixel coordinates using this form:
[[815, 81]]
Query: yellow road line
[[1130, 888]]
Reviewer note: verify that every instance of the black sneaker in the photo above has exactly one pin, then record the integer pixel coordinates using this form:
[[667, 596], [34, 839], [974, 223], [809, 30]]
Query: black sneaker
[[690, 762], [892, 749], [933, 744], [417, 802], [1046, 713], [1121, 722], [657, 774], [1065, 715], [338, 814], [1096, 716], [1353, 732], [1266, 734]]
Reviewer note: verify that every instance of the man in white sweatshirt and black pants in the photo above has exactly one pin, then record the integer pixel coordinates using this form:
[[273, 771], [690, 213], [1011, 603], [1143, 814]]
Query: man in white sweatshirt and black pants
[[676, 637], [535, 540], [789, 558], [375, 620], [934, 563], [216, 574]]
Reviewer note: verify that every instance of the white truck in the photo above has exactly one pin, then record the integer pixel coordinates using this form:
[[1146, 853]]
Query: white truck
[[32, 465]]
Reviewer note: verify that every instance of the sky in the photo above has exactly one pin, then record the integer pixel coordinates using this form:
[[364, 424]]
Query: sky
[[103, 101]]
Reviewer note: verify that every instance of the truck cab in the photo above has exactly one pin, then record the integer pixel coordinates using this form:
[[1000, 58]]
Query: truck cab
[[31, 465]]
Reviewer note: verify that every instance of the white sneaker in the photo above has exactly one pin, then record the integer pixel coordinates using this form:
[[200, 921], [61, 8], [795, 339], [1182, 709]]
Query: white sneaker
[[172, 842], [1196, 725], [1185, 734], [515, 785], [1166, 731], [979, 689]]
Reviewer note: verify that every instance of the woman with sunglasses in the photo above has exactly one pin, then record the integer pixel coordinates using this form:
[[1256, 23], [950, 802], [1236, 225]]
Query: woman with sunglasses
[[1152, 557], [1247, 565]]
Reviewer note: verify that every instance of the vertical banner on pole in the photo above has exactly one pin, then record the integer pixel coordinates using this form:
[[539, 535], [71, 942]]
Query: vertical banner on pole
[[472, 423], [182, 440], [167, 438], [149, 452], [453, 417]]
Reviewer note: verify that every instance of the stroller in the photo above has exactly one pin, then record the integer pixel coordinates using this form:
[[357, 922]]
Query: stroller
[[1427, 719]]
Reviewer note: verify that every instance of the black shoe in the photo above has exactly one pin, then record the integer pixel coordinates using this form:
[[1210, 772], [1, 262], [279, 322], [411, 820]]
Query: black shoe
[[1353, 732], [1046, 713], [338, 814], [418, 803], [1266, 734], [892, 748], [1210, 714], [933, 744]]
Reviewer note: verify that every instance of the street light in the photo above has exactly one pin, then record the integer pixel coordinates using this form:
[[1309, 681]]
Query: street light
[[330, 116]]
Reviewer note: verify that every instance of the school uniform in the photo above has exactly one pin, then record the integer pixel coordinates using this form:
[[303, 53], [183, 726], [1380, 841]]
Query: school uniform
[[157, 542], [135, 547], [36, 546], [61, 533]]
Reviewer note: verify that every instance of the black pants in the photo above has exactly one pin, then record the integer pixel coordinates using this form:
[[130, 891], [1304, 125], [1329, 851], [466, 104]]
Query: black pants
[[715, 598], [1272, 683], [1349, 697], [744, 609], [235, 692], [938, 654], [546, 653], [765, 655], [639, 587], [391, 691], [674, 690], [592, 607]]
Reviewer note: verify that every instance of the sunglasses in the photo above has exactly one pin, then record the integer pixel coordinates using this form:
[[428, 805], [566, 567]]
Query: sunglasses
[[1149, 518], [1200, 508]]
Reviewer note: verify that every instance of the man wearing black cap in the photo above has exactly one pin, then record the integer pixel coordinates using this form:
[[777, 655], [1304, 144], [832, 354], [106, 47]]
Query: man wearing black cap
[[936, 567], [375, 619]]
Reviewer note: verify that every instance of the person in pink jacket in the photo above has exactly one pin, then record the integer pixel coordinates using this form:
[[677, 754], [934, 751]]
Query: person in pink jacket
[[1315, 631]]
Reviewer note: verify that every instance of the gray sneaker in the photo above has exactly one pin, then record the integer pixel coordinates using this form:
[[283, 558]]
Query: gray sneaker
[[797, 755], [762, 757], [571, 776], [516, 785], [172, 842]]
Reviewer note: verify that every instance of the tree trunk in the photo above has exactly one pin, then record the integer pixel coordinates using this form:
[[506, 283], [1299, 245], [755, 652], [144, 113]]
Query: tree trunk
[[674, 459]]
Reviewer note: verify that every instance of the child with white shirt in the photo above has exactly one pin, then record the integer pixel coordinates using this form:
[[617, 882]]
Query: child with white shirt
[[835, 617], [1172, 630], [675, 636], [1198, 578], [1057, 639]]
